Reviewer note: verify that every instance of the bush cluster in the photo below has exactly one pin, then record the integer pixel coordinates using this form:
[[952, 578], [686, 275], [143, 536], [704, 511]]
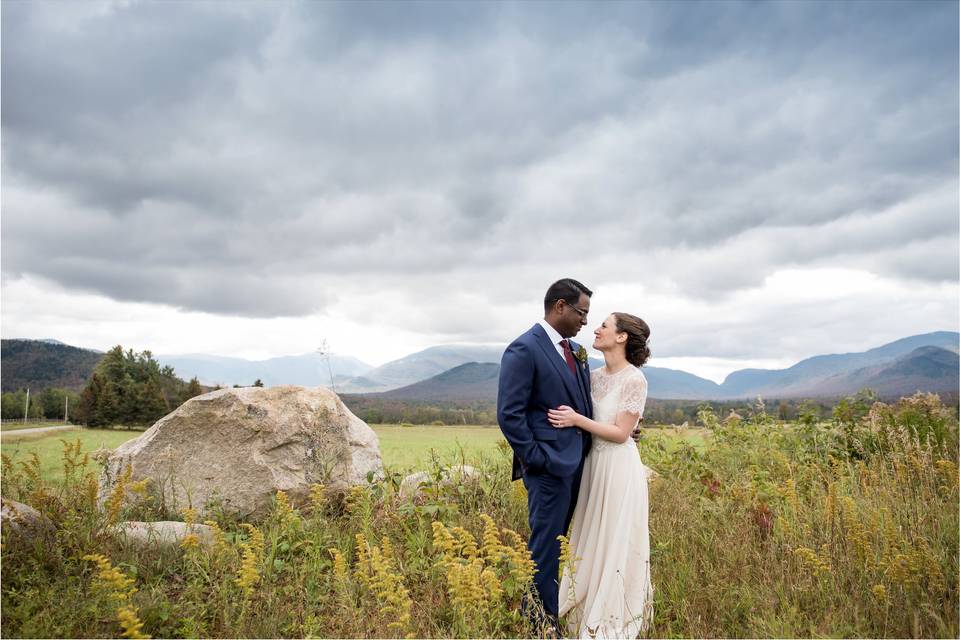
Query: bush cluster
[[131, 389]]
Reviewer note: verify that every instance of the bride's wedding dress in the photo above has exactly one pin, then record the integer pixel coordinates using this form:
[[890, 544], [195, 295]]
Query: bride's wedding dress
[[610, 594]]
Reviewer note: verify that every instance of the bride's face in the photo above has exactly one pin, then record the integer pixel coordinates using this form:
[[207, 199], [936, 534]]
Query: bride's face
[[606, 335]]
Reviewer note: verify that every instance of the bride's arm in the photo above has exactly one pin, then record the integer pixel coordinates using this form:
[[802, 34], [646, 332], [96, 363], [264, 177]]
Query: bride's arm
[[619, 431]]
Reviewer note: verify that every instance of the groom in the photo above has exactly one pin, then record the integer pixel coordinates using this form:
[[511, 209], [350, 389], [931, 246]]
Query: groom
[[539, 371]]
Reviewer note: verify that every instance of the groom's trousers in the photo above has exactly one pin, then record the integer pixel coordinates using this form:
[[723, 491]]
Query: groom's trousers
[[550, 503]]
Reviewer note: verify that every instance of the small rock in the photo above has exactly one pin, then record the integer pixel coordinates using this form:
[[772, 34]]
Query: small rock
[[22, 518], [163, 533], [412, 483]]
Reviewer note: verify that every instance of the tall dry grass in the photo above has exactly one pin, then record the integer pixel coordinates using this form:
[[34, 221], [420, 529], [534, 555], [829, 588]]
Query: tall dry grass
[[846, 528]]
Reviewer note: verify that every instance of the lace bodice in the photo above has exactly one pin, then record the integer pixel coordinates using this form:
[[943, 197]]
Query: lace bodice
[[625, 390]]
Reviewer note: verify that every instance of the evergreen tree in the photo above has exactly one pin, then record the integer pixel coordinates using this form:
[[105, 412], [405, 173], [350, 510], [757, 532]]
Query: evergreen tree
[[192, 390], [131, 388], [11, 406], [151, 405]]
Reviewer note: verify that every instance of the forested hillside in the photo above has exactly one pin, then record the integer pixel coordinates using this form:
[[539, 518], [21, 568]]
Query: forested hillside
[[39, 364]]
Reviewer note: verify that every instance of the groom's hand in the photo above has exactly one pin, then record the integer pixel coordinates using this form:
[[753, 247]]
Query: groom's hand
[[635, 434]]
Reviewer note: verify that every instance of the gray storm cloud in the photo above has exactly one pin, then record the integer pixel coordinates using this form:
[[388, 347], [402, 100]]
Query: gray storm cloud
[[259, 159]]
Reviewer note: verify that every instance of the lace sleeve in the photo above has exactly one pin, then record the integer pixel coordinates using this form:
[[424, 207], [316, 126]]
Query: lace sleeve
[[633, 396]]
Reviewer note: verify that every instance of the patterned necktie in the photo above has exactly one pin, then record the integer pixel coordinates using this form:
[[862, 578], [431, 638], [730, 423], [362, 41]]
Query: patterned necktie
[[568, 356]]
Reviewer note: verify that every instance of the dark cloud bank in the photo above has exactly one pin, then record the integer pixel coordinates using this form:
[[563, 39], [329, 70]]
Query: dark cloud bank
[[264, 159]]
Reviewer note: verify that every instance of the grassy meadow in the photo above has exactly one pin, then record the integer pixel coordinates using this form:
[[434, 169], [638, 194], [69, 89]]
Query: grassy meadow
[[404, 448], [758, 529]]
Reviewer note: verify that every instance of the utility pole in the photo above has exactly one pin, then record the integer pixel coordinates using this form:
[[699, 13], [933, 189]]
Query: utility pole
[[26, 407], [66, 409]]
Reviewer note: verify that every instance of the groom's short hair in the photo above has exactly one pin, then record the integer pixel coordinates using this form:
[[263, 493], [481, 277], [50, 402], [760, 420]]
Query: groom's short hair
[[568, 290]]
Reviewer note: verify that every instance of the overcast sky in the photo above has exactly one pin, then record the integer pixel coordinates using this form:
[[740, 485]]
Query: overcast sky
[[761, 182]]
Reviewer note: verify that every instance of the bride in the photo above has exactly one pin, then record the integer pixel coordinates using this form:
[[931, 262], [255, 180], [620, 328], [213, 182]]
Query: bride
[[609, 593]]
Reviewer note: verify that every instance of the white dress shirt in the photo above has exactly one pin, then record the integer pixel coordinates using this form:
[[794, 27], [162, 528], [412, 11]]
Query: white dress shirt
[[555, 338]]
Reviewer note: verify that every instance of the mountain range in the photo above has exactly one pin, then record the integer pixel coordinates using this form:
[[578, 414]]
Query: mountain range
[[927, 362], [928, 368]]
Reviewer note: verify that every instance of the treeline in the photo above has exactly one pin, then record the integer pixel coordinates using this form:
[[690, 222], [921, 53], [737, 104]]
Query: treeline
[[677, 412], [48, 404], [131, 389], [376, 410]]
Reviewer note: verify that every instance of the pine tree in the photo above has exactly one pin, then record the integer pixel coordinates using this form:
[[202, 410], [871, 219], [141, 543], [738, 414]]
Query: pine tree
[[192, 390]]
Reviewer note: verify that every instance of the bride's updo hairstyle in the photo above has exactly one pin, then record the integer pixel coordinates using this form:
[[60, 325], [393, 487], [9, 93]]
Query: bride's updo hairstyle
[[637, 335]]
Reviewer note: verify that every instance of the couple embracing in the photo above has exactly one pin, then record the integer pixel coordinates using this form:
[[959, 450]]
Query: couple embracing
[[570, 429]]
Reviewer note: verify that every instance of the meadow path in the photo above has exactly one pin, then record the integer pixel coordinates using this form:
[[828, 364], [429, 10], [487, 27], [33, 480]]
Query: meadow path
[[25, 432]]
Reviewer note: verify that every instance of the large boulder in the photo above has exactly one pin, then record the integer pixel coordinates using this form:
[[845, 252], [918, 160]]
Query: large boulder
[[233, 449]]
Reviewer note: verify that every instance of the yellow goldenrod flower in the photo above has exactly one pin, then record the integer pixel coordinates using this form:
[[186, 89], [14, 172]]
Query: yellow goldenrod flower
[[812, 560], [111, 580], [219, 539], [120, 589], [284, 511], [466, 544], [339, 565], [252, 553], [492, 548], [317, 497], [189, 515], [114, 502], [130, 623], [879, 592]]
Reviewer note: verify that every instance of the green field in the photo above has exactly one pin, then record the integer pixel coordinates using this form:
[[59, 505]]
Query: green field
[[48, 446], [404, 449]]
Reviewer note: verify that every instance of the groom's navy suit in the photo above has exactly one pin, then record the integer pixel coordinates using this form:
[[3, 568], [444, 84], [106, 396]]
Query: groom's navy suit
[[533, 378]]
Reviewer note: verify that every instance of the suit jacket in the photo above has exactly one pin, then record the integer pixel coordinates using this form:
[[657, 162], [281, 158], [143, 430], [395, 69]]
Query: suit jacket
[[534, 378]]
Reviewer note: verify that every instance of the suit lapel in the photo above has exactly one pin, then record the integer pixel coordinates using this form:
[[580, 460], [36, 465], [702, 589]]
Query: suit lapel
[[583, 381], [569, 380]]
